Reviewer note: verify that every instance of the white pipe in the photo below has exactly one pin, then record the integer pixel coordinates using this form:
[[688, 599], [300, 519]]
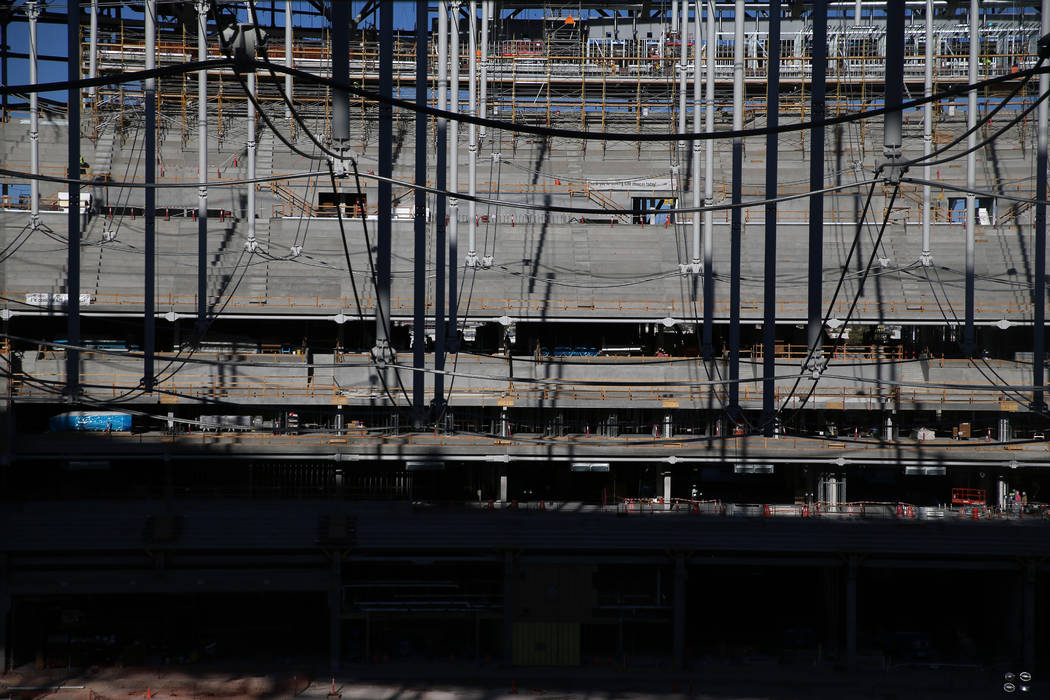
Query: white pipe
[[472, 137], [674, 16], [288, 54], [927, 137], [683, 65], [856, 12], [93, 50], [33, 11], [709, 162], [453, 137], [486, 16], [698, 85]]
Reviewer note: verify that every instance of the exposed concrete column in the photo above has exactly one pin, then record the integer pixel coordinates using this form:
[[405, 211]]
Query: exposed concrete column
[[288, 54], [926, 258], [971, 181], [510, 584], [150, 196], [503, 487], [851, 613], [678, 614], [202, 166], [737, 216], [667, 487], [33, 12], [472, 137]]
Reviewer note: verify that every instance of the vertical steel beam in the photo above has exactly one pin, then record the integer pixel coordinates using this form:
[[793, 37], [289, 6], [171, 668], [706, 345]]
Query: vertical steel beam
[[419, 309], [816, 177], [737, 219], [486, 17], [892, 130], [149, 316], [453, 204], [709, 191], [202, 168], [384, 213], [472, 137], [926, 257], [698, 84], [33, 12], [251, 144], [1039, 290], [73, 216], [441, 168], [969, 338], [769, 329], [340, 74], [288, 21]]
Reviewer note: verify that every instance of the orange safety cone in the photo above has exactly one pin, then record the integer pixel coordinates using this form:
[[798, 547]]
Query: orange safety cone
[[974, 514], [513, 688], [900, 510], [148, 693], [805, 511], [911, 512], [766, 512]]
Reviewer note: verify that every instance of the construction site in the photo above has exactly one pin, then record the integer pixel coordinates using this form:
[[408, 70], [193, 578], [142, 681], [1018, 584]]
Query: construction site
[[501, 336]]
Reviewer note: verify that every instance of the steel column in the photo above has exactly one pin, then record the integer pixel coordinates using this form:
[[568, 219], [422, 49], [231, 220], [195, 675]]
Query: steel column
[[419, 308], [453, 204], [288, 54], [149, 317], [709, 192], [73, 215], [340, 74], [486, 16], [93, 49], [202, 169], [33, 12], [737, 221], [816, 178], [1039, 289], [698, 83], [769, 331], [969, 338], [386, 170], [441, 149], [251, 244], [472, 137], [925, 257]]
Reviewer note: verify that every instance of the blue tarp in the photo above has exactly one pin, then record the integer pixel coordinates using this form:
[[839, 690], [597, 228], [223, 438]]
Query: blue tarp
[[101, 420]]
